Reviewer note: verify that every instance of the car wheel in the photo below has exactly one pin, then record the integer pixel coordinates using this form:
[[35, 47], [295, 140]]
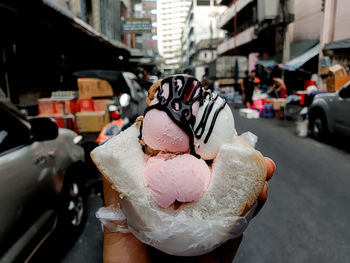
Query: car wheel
[[72, 215], [318, 127], [73, 209], [75, 205]]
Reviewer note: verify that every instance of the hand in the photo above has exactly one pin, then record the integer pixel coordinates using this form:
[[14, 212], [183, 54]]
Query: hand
[[125, 248]]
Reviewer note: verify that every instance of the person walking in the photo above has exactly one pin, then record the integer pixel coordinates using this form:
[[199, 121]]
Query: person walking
[[248, 86]]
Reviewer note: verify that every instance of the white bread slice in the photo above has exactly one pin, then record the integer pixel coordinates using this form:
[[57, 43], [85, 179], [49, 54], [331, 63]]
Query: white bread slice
[[238, 176]]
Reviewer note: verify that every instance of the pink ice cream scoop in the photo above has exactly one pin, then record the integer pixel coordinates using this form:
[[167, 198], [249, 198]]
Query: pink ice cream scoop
[[161, 133], [183, 178]]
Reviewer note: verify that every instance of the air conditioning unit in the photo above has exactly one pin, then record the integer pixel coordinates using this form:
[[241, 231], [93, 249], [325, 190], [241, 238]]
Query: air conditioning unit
[[267, 9]]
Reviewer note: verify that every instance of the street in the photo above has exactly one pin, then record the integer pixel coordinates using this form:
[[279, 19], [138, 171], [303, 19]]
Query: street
[[305, 218]]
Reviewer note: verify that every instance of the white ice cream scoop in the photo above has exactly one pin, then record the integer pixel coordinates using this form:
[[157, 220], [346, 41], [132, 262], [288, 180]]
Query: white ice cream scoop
[[214, 126]]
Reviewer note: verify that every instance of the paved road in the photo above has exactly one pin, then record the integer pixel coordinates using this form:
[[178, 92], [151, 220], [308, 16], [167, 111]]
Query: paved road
[[89, 246], [306, 218]]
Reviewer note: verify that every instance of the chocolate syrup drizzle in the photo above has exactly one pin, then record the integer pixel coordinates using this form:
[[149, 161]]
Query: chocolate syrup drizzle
[[178, 106], [201, 126]]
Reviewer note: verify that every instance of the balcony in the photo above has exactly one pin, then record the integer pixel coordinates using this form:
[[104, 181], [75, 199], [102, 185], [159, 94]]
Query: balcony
[[235, 41], [232, 11]]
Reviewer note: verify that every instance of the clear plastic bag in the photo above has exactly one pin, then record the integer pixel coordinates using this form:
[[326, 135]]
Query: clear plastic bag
[[180, 235], [198, 236], [250, 137]]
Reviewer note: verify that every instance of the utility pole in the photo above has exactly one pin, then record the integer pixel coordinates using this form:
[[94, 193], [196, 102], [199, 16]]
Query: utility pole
[[327, 32], [288, 29]]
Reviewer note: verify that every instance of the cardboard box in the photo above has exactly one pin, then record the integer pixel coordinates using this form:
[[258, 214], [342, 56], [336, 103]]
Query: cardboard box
[[85, 105], [337, 70], [336, 82], [92, 121], [278, 103], [340, 81], [70, 106], [100, 105], [46, 106], [324, 70], [89, 87], [67, 121], [49, 106]]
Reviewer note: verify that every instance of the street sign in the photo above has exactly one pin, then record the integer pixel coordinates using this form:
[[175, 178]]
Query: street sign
[[137, 25]]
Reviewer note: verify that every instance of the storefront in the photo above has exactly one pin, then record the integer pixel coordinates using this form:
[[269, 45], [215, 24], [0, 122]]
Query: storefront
[[42, 45]]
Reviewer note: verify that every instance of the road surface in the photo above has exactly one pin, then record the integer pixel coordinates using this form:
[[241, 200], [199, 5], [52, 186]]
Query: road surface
[[307, 216]]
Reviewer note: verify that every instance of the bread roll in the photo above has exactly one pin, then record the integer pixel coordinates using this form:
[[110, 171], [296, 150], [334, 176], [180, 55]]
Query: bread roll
[[238, 176]]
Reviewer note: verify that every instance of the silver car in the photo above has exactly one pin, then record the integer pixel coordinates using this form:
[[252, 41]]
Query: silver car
[[330, 113], [41, 182]]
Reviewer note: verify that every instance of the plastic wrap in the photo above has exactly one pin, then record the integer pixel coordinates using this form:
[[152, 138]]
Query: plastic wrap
[[180, 234], [198, 236], [250, 137]]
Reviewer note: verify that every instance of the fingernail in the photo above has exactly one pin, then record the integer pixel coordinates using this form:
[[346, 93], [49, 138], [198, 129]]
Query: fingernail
[[273, 164]]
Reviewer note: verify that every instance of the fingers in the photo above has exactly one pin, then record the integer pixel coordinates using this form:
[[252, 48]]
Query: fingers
[[271, 168], [123, 248], [110, 196], [262, 197], [263, 194]]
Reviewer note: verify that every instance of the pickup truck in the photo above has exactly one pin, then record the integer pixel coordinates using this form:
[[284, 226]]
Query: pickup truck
[[329, 113]]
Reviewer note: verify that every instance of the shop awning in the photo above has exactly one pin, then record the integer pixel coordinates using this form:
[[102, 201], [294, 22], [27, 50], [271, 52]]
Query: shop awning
[[297, 62], [300, 47], [341, 44]]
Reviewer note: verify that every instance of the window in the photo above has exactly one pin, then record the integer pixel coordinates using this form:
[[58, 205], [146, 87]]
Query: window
[[13, 133], [203, 2]]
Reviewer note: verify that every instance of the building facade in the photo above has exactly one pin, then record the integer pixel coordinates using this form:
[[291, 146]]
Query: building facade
[[147, 42], [335, 42], [201, 27], [295, 33], [104, 16], [60, 44], [255, 26], [171, 17]]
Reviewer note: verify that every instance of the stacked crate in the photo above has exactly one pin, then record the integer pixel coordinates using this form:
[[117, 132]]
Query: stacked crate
[[94, 95]]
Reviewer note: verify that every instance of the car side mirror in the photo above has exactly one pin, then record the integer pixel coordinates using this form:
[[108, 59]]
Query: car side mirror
[[344, 93], [124, 100], [43, 129]]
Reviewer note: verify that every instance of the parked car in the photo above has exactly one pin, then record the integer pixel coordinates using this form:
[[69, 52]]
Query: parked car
[[41, 183], [330, 113], [122, 83]]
